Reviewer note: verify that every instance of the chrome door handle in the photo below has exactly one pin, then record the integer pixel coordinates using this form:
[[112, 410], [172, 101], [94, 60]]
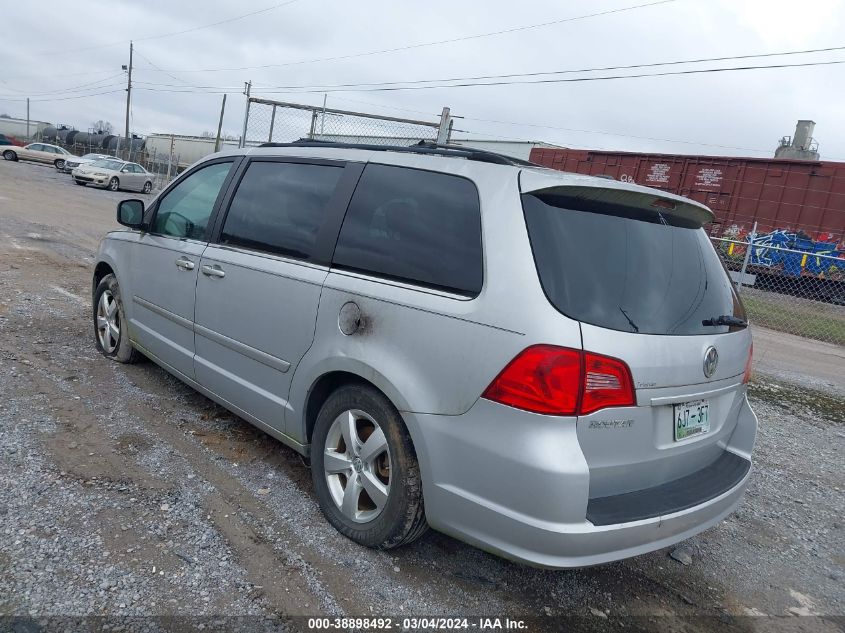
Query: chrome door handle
[[212, 271], [185, 264]]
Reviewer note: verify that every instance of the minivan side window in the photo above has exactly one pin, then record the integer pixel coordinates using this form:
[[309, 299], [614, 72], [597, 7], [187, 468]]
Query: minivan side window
[[185, 209], [414, 226], [279, 207]]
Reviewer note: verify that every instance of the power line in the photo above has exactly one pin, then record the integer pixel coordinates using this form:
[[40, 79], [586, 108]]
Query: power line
[[146, 59], [173, 33], [95, 94], [323, 87], [81, 87], [531, 81], [433, 43]]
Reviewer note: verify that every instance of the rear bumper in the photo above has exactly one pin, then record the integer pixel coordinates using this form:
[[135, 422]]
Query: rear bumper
[[517, 485]]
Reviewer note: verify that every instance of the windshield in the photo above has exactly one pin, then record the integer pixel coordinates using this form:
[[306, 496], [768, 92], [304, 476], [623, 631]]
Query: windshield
[[628, 269], [114, 165]]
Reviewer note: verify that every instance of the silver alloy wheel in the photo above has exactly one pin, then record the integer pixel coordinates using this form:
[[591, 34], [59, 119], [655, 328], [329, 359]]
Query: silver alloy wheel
[[356, 461], [148, 187], [60, 165], [114, 184], [108, 322]]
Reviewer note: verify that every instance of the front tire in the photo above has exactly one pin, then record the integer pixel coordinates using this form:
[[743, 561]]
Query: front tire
[[60, 165], [114, 184], [10, 155], [110, 322], [148, 187], [365, 470]]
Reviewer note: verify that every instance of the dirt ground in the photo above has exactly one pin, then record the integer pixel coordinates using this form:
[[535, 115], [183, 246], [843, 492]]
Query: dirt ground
[[123, 492]]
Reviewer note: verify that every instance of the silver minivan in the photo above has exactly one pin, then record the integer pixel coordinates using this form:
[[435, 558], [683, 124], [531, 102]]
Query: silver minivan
[[551, 367]]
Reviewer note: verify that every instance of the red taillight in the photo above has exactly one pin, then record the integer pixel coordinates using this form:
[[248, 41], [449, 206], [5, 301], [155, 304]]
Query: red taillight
[[607, 383], [746, 377], [542, 379], [562, 381]]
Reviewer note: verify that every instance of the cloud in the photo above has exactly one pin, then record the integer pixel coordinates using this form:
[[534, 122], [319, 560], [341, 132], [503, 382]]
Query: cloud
[[743, 110]]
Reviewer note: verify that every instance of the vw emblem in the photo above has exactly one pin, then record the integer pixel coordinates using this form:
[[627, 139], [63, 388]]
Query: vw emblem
[[711, 360]]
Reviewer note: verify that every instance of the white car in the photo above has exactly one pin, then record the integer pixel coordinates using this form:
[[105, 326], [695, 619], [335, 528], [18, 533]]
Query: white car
[[114, 174], [39, 153], [78, 161]]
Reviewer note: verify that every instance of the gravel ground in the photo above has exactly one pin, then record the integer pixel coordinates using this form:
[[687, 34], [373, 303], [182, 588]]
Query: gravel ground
[[123, 492]]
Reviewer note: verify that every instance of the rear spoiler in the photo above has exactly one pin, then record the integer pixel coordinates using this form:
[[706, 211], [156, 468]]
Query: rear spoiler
[[613, 193]]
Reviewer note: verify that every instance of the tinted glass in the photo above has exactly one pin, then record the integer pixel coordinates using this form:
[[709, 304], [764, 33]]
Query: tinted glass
[[280, 207], [415, 226], [185, 210], [629, 270]]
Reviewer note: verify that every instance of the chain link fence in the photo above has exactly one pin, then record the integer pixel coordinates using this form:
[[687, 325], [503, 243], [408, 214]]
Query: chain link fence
[[279, 122], [787, 289]]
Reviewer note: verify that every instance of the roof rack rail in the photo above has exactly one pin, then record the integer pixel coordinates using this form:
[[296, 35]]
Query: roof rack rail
[[423, 147]]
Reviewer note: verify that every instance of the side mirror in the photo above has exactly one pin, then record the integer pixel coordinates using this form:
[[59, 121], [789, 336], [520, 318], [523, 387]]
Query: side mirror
[[131, 213]]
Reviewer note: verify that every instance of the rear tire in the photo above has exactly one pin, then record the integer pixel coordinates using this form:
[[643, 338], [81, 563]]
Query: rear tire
[[110, 323], [114, 184], [364, 414], [10, 155]]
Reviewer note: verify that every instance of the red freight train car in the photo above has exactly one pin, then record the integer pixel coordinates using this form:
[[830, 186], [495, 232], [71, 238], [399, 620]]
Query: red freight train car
[[779, 194]]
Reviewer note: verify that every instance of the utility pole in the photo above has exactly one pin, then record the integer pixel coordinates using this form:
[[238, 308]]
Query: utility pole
[[128, 96], [27, 118], [220, 125], [443, 132], [247, 89]]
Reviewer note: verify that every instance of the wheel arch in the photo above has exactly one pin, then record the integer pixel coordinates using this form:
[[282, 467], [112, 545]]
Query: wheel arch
[[329, 382], [102, 269]]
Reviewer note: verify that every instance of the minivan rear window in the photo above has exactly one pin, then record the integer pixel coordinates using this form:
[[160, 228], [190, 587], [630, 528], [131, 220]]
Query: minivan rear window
[[627, 269]]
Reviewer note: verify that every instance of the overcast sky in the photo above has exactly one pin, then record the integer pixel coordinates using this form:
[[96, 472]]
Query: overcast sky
[[55, 50]]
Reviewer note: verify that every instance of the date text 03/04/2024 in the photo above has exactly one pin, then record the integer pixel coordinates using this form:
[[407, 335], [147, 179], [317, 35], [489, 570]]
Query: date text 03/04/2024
[[417, 623]]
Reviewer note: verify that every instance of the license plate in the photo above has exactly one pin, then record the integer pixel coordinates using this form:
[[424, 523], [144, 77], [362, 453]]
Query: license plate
[[691, 418]]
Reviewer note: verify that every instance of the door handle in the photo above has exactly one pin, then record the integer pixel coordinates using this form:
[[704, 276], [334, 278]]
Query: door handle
[[185, 264], [212, 271]]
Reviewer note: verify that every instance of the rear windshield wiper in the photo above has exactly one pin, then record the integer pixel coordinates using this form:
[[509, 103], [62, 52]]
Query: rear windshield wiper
[[725, 319]]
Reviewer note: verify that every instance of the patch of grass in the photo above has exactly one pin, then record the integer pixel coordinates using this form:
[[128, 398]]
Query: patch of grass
[[790, 397], [796, 316]]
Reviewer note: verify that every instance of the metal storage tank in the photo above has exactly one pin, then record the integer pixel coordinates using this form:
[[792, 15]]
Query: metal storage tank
[[49, 133], [114, 142], [806, 196], [68, 136], [81, 138]]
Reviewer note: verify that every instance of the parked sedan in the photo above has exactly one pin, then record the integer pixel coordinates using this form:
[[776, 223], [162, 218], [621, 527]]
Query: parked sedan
[[77, 161], [39, 153], [114, 174]]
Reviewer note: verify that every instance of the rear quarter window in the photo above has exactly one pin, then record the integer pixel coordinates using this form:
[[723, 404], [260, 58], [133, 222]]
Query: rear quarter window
[[414, 226]]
